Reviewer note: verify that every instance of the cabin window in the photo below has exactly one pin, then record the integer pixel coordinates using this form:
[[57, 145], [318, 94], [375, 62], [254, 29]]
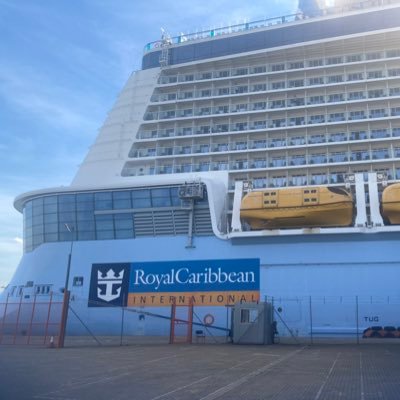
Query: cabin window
[[315, 63], [298, 180], [77, 281], [248, 316], [374, 74], [42, 290], [122, 200], [318, 179], [318, 80], [354, 58], [334, 60], [259, 182], [277, 67]]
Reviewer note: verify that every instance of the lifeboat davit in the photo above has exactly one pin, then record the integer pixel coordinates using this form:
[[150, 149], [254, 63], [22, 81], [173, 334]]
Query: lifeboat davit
[[298, 208], [391, 203]]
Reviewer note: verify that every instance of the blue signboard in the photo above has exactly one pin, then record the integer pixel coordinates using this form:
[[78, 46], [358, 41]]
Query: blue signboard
[[161, 283], [195, 276]]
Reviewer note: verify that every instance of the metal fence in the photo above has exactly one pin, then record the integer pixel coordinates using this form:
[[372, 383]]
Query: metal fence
[[142, 324], [33, 321], [334, 319], [298, 319]]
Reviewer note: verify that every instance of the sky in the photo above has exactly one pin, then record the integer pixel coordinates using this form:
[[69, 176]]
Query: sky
[[62, 65]]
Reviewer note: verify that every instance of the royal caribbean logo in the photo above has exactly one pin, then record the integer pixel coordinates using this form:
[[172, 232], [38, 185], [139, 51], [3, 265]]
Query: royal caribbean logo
[[195, 275], [161, 283], [204, 282], [109, 285]]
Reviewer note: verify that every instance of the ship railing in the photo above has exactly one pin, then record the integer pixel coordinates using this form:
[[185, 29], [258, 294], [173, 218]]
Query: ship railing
[[276, 105], [211, 33], [324, 78], [316, 119], [263, 23], [290, 141], [322, 158]]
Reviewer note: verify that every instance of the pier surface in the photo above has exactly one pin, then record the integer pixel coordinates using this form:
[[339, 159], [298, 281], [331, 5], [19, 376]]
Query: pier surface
[[201, 372]]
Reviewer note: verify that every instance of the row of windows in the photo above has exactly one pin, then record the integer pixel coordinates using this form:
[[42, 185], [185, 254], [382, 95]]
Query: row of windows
[[321, 178], [279, 162], [189, 131], [279, 67], [295, 101], [90, 216], [112, 226], [102, 227], [55, 224], [355, 157], [40, 289], [278, 124], [84, 202], [263, 86], [302, 119], [241, 145]]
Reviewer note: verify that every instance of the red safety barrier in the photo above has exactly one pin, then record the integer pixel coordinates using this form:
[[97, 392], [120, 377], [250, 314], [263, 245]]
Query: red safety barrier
[[32, 321]]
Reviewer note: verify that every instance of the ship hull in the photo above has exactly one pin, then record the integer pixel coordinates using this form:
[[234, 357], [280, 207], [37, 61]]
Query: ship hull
[[333, 272]]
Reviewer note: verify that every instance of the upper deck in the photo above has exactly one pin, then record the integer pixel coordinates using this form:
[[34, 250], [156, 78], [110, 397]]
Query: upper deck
[[272, 33]]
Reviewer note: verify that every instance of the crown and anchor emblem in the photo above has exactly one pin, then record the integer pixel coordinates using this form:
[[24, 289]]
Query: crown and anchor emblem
[[107, 282]]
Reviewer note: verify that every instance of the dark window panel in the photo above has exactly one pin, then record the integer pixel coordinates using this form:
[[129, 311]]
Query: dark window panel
[[84, 197], [103, 204], [124, 234], [123, 203], [51, 228], [51, 237], [85, 206], [141, 203], [50, 200], [86, 235], [141, 194], [85, 216], [105, 235]]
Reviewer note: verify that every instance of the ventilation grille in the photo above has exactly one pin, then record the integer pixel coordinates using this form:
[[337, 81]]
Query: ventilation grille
[[171, 222]]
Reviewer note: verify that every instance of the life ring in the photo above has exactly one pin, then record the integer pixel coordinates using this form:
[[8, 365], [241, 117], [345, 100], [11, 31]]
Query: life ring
[[208, 319]]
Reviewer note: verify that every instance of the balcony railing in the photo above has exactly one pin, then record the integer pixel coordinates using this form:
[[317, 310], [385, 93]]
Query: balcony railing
[[289, 66], [230, 91]]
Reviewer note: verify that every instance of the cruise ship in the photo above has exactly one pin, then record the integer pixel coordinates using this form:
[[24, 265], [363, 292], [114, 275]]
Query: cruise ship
[[255, 162]]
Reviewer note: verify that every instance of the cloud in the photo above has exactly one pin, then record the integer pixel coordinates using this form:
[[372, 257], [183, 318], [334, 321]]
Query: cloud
[[42, 98]]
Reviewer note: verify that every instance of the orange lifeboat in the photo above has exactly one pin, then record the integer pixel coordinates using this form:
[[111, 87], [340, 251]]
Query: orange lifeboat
[[298, 208], [391, 203]]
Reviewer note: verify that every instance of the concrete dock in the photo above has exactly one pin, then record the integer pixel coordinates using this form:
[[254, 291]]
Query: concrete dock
[[201, 372]]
